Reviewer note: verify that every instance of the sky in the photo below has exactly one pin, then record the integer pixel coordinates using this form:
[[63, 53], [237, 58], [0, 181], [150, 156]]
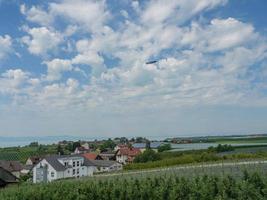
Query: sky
[[79, 67]]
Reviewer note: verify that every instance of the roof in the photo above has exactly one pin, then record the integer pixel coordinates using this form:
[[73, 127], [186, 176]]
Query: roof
[[81, 148], [11, 166], [122, 146], [6, 176], [35, 159], [58, 166], [90, 156], [108, 153], [153, 145], [53, 161], [129, 151], [103, 163]]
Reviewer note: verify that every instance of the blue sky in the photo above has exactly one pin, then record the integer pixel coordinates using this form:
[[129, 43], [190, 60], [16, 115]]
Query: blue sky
[[79, 67]]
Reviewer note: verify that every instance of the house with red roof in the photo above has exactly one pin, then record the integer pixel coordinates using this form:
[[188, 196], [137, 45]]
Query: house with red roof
[[127, 155], [92, 156]]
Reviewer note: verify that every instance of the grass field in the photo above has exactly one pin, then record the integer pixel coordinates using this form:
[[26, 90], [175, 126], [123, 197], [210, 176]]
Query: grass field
[[22, 153], [241, 140]]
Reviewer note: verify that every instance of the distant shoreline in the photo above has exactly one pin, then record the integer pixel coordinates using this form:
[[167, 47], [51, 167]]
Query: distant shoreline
[[46, 140]]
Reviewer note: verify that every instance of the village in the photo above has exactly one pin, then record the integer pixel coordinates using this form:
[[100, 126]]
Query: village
[[82, 162]]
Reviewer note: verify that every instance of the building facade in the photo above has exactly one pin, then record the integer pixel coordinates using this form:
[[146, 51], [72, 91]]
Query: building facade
[[59, 167]]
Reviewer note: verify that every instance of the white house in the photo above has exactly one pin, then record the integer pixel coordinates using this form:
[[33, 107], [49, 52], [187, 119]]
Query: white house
[[80, 150], [127, 155], [59, 167]]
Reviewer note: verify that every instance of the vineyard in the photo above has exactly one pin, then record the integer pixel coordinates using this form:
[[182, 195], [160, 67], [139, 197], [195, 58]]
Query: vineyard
[[214, 182]]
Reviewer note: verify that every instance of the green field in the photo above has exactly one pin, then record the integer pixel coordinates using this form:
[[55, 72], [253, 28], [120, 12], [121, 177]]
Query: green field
[[202, 183], [22, 153], [240, 140]]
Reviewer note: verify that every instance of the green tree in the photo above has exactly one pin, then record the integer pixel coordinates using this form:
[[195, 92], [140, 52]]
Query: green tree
[[164, 147], [146, 156]]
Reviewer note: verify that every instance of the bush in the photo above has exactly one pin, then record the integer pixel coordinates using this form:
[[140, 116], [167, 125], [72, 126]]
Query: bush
[[164, 147], [146, 156]]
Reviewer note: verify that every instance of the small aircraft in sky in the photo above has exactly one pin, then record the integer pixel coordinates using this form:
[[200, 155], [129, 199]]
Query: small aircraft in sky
[[151, 62], [154, 61]]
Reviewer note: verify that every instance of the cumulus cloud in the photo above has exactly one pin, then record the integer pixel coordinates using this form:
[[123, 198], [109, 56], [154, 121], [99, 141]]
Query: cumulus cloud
[[42, 41], [5, 46], [36, 15], [56, 67], [202, 62], [91, 15], [219, 35]]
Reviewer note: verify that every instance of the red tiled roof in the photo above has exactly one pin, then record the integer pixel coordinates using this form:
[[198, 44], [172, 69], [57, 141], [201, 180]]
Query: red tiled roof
[[122, 145], [129, 151], [90, 156]]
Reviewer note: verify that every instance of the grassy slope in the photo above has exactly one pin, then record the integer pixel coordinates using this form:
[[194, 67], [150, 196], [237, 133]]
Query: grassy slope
[[241, 140]]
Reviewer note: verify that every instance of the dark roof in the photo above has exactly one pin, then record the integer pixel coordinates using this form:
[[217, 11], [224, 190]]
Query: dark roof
[[108, 153], [53, 161], [103, 163], [7, 177], [11, 166]]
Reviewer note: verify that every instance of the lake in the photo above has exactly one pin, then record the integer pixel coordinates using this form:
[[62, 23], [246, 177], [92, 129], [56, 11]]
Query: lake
[[198, 146]]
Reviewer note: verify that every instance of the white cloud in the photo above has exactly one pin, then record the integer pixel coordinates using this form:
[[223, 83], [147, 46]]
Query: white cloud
[[90, 14], [42, 41], [206, 63], [157, 12], [5, 46], [56, 67], [12, 81], [221, 34], [37, 15]]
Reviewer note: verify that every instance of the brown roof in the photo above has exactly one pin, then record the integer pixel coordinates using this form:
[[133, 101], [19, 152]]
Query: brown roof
[[129, 151], [11, 166], [90, 156], [35, 159]]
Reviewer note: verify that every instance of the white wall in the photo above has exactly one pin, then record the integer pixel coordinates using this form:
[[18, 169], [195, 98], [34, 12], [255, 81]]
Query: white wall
[[121, 158], [68, 173]]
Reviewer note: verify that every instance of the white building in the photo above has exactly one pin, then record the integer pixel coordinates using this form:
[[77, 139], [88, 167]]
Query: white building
[[59, 167]]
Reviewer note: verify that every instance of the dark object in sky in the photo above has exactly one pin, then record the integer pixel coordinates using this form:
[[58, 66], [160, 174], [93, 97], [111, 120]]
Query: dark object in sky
[[151, 62]]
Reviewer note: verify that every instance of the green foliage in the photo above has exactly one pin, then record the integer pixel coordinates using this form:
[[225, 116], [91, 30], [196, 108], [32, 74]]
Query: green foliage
[[221, 148], [33, 144], [146, 156], [154, 187], [60, 150], [164, 147], [108, 144]]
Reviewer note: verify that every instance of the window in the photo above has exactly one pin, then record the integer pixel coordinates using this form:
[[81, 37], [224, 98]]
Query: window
[[73, 172], [65, 163], [78, 171], [78, 163], [73, 164], [52, 174]]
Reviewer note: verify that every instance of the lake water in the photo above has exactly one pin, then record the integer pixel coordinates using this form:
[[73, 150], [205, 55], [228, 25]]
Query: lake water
[[198, 146], [22, 141]]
